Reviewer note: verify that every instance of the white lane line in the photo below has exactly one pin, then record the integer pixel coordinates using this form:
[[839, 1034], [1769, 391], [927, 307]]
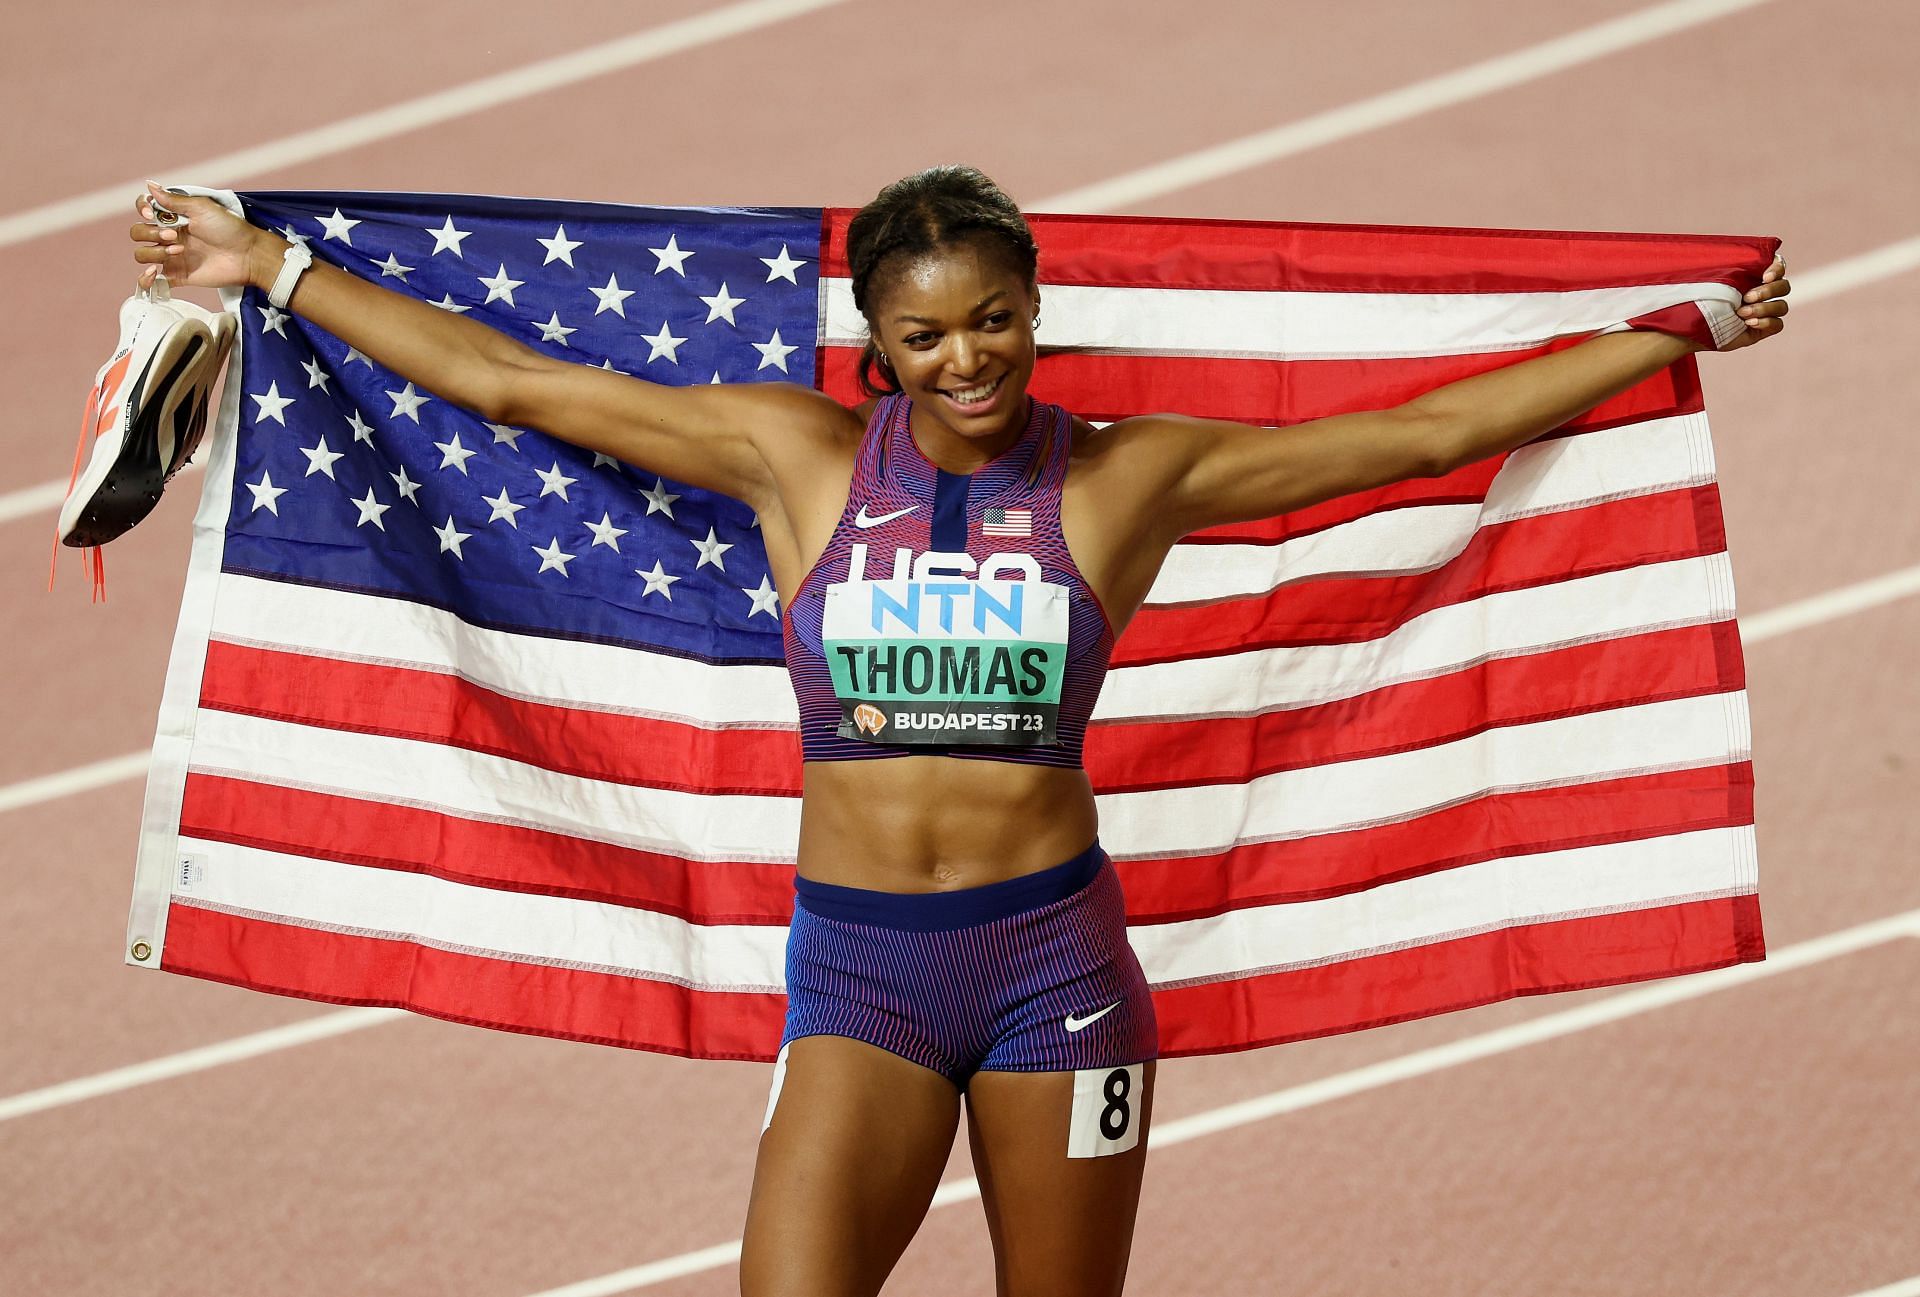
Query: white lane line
[[80, 779], [1457, 87], [29, 500], [1487, 1044], [1814, 610], [457, 101], [1905, 1288], [195, 1060]]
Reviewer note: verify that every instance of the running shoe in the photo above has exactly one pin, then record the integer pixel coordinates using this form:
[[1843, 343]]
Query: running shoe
[[145, 415]]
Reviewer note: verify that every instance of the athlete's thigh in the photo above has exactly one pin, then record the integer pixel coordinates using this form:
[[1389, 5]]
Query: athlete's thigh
[[847, 1166], [1062, 1224]]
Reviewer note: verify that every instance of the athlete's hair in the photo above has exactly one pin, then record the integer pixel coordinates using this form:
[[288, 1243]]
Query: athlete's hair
[[922, 213]]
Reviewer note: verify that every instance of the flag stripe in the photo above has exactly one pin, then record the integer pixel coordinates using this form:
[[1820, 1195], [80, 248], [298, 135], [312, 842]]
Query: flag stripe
[[566, 932], [1527, 959], [384, 835], [1267, 393], [1306, 257]]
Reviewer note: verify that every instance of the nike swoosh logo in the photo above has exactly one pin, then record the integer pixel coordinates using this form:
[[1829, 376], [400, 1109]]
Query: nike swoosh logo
[[1077, 1024], [860, 519]]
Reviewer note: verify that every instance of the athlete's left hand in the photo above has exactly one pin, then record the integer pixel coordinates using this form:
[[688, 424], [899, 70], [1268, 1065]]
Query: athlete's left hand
[[1764, 308]]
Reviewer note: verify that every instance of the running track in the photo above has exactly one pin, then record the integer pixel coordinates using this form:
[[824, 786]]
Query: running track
[[1761, 1138]]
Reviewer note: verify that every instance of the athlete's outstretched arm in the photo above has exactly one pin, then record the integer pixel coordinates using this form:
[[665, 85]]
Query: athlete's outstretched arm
[[712, 436], [1213, 471]]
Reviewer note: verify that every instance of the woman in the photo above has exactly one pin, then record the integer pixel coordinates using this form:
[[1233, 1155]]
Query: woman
[[957, 932]]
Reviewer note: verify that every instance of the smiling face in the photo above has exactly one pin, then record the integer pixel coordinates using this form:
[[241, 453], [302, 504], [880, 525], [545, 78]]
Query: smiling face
[[956, 326]]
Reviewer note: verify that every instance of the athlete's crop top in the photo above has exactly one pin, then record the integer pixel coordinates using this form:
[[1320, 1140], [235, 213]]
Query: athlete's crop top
[[946, 615]]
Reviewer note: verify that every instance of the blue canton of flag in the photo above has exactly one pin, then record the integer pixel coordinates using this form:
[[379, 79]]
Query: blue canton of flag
[[350, 477]]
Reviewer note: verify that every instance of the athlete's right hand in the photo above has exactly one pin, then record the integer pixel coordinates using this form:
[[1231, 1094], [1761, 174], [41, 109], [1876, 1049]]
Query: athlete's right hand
[[214, 249]]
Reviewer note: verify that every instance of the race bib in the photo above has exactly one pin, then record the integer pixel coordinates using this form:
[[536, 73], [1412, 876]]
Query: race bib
[[947, 659]]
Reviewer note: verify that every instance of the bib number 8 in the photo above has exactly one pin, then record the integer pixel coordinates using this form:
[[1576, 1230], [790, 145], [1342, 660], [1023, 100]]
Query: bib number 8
[[1103, 1120]]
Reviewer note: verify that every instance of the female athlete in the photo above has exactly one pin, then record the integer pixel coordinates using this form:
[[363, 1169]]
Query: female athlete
[[958, 933]]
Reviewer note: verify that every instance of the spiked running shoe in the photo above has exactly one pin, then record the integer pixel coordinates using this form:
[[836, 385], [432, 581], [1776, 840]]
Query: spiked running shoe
[[145, 415]]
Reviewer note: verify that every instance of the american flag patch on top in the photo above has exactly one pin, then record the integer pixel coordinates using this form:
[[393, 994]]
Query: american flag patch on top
[[1007, 522]]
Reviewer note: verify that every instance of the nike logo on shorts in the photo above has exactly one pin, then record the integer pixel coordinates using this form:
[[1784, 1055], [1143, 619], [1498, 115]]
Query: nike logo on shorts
[[1077, 1024], [860, 519]]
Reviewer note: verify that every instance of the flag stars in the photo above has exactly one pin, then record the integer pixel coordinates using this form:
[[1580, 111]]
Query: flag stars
[[553, 558], [782, 267], [271, 405], [451, 539], [272, 320], [665, 344], [446, 303], [453, 454], [721, 306], [501, 432], [554, 331], [671, 257], [353, 354], [659, 500], [559, 247], [287, 232], [612, 297], [554, 482], [408, 402], [406, 485], [657, 581], [320, 458], [316, 376], [601, 460], [362, 430], [500, 286], [773, 352], [605, 533], [712, 550], [370, 510], [447, 239], [338, 227], [765, 599], [265, 494], [391, 268], [503, 508]]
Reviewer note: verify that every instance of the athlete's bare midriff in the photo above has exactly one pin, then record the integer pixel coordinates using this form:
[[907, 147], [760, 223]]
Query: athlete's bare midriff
[[936, 823]]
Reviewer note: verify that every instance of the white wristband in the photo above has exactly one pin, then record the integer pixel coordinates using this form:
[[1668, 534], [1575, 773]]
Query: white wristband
[[293, 262]]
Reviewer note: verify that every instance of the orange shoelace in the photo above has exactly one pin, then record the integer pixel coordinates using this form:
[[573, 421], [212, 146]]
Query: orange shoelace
[[101, 411]]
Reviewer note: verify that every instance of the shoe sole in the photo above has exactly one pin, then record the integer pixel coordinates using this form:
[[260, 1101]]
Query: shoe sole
[[122, 485]]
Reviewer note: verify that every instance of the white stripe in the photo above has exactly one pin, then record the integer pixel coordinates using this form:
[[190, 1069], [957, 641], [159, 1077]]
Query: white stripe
[[1833, 604], [1684, 592], [1617, 1007], [1201, 819], [1544, 477], [1465, 901], [432, 911], [187, 1062], [78, 779], [397, 632], [1265, 325], [30, 500], [1422, 97], [497, 790], [427, 110]]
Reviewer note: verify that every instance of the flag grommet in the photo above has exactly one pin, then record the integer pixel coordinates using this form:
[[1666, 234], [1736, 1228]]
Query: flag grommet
[[142, 951]]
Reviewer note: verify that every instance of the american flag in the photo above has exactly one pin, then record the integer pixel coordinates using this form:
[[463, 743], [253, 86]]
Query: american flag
[[465, 720], [1007, 522]]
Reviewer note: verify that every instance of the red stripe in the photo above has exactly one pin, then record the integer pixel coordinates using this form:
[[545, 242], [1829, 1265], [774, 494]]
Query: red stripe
[[403, 702], [1272, 393], [1237, 1014], [1299, 256], [1485, 828], [541, 1000], [1601, 950], [420, 840], [1527, 552]]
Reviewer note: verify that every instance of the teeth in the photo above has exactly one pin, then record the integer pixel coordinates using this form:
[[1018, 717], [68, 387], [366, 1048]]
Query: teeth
[[975, 395]]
